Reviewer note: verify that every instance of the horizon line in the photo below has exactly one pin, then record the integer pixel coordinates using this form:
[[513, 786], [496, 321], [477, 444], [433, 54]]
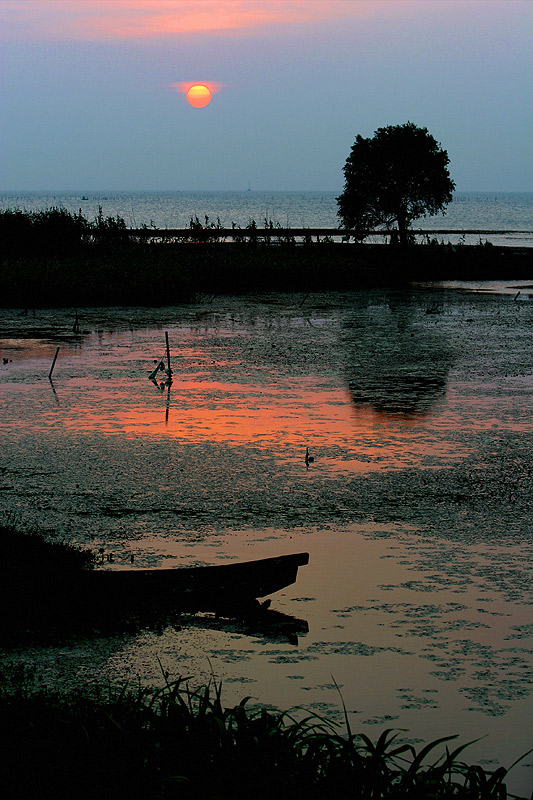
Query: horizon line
[[243, 191]]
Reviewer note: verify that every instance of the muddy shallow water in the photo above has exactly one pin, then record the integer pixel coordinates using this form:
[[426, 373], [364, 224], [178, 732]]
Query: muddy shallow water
[[417, 408]]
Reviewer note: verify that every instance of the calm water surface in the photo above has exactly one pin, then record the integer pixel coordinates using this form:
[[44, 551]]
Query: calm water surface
[[417, 407]]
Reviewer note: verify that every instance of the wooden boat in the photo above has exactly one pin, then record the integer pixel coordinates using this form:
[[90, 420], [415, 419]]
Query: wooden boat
[[193, 587], [49, 603]]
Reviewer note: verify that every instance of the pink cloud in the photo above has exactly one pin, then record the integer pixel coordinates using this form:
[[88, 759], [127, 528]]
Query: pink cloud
[[136, 19]]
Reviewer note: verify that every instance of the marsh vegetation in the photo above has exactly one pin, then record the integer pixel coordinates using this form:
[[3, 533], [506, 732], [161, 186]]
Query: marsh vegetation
[[55, 258], [183, 742]]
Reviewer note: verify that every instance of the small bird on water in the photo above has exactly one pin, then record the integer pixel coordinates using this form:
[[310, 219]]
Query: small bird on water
[[308, 459]]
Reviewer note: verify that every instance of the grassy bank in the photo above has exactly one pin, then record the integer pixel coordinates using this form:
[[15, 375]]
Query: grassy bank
[[37, 578], [53, 259], [163, 274], [46, 599], [183, 743]]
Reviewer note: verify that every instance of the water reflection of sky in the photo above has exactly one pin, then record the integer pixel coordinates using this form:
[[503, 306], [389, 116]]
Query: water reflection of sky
[[415, 511], [282, 417]]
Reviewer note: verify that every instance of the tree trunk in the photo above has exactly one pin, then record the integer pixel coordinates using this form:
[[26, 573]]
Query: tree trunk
[[402, 229]]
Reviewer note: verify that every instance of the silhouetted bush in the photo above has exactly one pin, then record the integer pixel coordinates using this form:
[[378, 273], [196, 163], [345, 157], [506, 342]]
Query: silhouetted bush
[[57, 232]]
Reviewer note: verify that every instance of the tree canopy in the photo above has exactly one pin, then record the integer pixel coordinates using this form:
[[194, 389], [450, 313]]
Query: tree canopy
[[392, 178]]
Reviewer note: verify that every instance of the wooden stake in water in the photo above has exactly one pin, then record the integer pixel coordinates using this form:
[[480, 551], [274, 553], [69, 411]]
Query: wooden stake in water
[[53, 365], [169, 371]]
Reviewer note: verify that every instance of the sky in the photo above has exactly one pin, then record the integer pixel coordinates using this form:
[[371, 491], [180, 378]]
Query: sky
[[92, 92]]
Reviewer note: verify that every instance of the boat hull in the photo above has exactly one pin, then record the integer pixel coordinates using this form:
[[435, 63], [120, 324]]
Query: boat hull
[[199, 587]]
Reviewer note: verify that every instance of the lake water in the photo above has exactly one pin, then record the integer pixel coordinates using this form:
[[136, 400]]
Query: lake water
[[416, 511], [469, 210]]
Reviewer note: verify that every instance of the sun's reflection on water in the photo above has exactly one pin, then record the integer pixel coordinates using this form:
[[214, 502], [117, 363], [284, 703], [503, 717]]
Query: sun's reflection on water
[[283, 418]]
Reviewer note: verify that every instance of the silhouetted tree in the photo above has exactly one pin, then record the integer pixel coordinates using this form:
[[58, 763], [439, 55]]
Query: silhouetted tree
[[397, 175]]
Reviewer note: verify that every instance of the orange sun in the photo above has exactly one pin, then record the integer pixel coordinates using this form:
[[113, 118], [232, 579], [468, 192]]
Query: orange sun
[[198, 95]]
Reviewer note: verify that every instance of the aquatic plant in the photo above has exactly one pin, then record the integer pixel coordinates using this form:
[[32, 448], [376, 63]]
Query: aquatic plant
[[182, 742]]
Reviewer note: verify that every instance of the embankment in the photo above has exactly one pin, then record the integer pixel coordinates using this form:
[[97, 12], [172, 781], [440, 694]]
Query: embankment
[[137, 273]]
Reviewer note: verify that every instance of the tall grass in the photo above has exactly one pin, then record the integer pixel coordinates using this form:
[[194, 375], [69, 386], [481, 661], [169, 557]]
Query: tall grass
[[55, 258], [183, 743]]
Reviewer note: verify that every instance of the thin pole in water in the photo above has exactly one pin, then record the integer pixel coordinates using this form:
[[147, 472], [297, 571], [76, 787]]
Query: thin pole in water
[[169, 371], [53, 365]]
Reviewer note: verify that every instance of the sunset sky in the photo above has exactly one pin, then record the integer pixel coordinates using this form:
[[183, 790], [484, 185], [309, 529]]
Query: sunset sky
[[91, 93]]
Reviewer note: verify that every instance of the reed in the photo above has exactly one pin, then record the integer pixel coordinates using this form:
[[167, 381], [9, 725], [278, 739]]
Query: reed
[[181, 742], [55, 231]]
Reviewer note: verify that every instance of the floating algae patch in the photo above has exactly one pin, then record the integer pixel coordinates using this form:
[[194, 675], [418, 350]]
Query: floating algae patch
[[520, 632], [385, 719], [416, 701], [229, 656], [449, 673], [351, 648]]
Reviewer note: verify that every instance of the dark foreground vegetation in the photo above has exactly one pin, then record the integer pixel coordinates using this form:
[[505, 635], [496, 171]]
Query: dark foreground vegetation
[[183, 743], [53, 258], [108, 742], [43, 599], [34, 593]]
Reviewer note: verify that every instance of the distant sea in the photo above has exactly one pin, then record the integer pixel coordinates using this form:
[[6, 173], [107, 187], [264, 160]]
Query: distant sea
[[469, 210]]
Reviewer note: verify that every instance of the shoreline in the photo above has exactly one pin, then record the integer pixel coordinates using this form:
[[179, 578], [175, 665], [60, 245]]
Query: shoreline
[[164, 274]]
